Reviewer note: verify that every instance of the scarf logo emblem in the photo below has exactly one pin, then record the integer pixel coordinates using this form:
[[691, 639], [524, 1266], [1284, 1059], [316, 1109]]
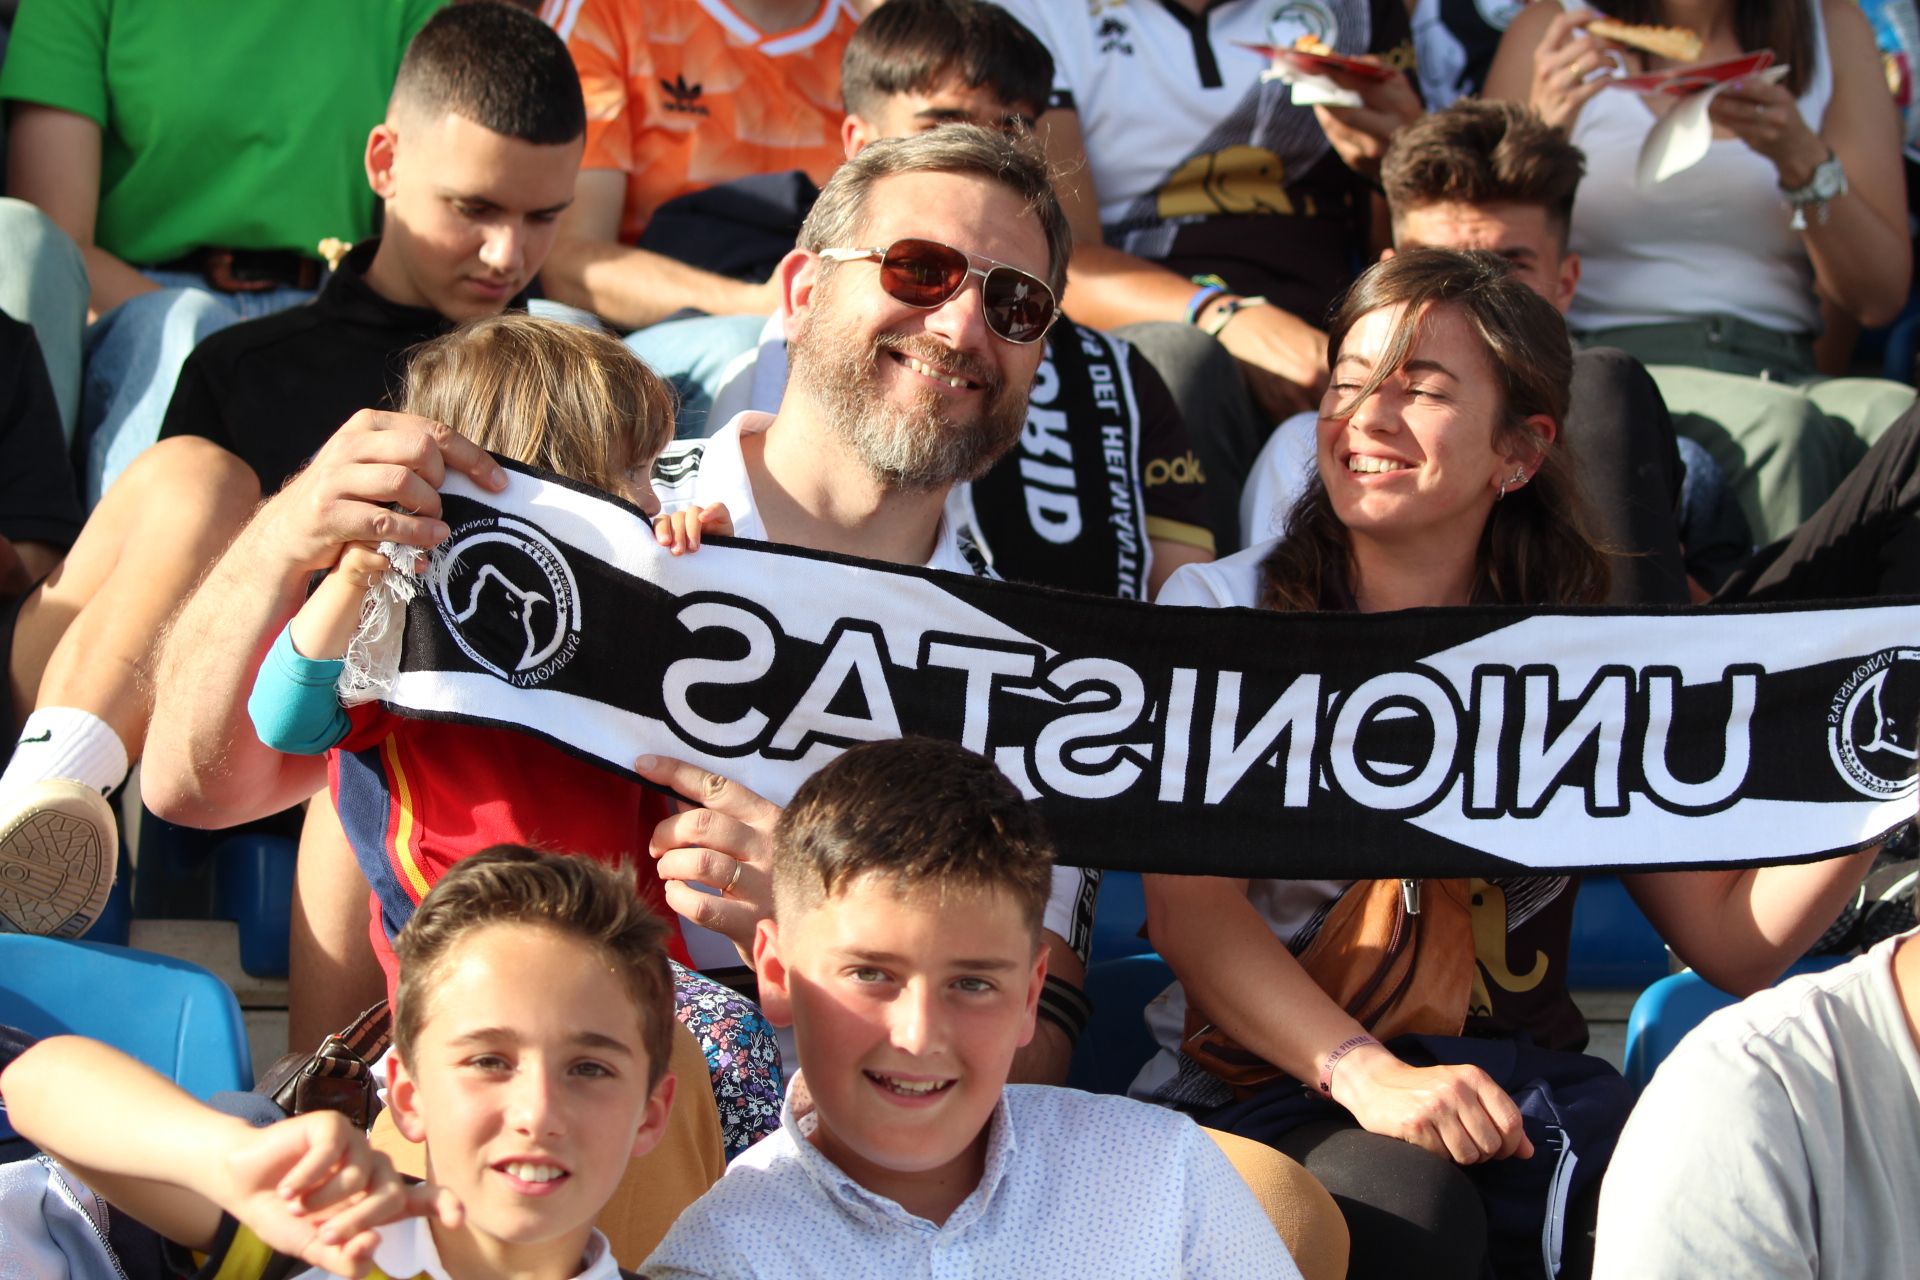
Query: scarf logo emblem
[[509, 599], [1872, 746]]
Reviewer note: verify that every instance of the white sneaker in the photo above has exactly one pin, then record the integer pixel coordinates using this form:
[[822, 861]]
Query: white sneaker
[[59, 848]]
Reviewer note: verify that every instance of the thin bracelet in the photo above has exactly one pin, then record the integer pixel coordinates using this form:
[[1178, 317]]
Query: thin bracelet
[[1198, 302], [1224, 316], [1340, 1051]]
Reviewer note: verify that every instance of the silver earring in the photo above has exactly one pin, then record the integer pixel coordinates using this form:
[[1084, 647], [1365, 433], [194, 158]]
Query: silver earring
[[1519, 477]]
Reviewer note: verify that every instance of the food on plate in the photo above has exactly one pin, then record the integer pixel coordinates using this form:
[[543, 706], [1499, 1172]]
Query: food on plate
[[1680, 44]]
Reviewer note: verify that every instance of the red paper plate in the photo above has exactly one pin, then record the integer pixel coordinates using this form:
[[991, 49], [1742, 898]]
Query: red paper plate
[[1681, 81], [1314, 63]]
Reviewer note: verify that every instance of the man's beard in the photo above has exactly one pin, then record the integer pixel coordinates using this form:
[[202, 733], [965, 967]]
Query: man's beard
[[918, 447]]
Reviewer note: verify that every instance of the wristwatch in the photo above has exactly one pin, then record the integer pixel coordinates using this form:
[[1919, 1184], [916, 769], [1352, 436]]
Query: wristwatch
[[1828, 183]]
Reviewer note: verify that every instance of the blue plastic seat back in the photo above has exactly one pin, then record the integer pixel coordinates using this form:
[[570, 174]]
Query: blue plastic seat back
[[174, 1016], [1120, 917], [1613, 943], [1675, 1005], [1116, 1044]]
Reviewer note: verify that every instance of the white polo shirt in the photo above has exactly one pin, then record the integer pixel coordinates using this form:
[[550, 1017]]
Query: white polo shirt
[[713, 470]]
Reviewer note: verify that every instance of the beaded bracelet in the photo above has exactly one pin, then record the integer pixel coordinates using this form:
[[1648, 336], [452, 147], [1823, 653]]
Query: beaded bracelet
[[1340, 1051]]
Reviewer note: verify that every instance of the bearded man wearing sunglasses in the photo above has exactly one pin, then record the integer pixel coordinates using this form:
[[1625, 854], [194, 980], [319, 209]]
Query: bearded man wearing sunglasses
[[915, 307], [1103, 493], [926, 277]]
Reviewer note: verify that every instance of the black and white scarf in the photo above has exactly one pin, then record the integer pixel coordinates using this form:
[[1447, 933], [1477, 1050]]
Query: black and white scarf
[[1064, 507], [1469, 741]]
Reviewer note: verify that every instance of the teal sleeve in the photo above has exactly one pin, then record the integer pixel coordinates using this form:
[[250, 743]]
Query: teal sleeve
[[293, 704]]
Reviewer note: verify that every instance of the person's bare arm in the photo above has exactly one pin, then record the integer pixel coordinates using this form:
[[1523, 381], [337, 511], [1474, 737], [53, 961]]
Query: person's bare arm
[[375, 480], [1282, 356], [325, 624], [1741, 929], [589, 267], [53, 161], [333, 974], [310, 1186], [1360, 135], [1233, 967], [1861, 251]]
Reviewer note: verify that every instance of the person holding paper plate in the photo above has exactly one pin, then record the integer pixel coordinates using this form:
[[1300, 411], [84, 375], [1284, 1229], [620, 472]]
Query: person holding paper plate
[[1722, 266], [1438, 485]]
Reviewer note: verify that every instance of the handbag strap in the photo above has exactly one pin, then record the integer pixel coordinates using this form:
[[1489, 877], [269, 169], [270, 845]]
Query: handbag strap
[[370, 1034]]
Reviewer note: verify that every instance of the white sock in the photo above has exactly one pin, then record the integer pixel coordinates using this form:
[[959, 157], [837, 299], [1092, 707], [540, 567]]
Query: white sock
[[66, 742]]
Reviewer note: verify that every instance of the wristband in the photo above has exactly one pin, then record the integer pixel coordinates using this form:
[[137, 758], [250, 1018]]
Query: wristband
[[1340, 1051], [1066, 1007], [1224, 316], [1210, 288]]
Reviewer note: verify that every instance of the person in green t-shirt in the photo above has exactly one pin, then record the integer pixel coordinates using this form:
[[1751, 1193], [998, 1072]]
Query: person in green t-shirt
[[197, 153]]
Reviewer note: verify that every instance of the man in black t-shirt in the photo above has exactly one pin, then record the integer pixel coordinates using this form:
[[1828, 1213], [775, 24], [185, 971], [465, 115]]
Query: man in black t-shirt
[[471, 207]]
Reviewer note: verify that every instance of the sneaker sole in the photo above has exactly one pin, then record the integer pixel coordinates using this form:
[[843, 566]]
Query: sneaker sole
[[55, 873]]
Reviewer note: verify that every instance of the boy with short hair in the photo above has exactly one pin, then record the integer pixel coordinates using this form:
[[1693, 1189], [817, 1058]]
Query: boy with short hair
[[909, 881], [531, 1039], [473, 165]]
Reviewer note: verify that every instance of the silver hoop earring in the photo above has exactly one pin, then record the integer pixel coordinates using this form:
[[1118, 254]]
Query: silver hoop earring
[[1519, 477]]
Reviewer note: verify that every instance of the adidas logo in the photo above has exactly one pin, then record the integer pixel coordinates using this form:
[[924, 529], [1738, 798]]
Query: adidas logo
[[683, 97]]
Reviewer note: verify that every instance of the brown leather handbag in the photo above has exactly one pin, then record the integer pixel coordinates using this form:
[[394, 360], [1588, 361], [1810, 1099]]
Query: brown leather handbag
[[1396, 954], [338, 1076]]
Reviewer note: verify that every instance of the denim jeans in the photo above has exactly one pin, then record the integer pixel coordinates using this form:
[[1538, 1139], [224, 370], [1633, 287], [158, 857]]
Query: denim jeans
[[133, 357], [43, 282], [696, 355]]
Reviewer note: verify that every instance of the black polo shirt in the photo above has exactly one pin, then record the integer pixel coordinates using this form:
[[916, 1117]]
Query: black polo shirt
[[272, 390]]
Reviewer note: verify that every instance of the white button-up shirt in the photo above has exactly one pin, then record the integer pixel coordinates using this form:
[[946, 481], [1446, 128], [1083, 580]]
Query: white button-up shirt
[[1076, 1185]]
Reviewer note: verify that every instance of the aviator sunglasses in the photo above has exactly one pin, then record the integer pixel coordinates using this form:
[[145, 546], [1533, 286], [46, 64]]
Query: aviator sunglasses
[[925, 273]]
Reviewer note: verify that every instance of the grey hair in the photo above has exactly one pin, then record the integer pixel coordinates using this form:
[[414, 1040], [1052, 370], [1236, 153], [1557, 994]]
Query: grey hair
[[1015, 163]]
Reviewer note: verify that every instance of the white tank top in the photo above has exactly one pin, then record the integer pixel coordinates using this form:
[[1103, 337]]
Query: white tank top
[[1713, 239]]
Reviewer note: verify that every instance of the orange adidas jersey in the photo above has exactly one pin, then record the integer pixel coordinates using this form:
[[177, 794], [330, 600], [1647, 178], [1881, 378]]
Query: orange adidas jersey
[[685, 94]]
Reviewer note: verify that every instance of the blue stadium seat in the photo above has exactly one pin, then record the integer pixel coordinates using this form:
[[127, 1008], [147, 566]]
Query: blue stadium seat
[[176, 1017], [253, 887], [1613, 944], [1675, 1005], [1121, 915], [1116, 1044]]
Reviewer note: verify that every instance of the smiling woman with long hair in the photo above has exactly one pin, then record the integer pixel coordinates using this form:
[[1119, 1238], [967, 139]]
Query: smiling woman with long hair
[[1438, 485], [1523, 538]]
